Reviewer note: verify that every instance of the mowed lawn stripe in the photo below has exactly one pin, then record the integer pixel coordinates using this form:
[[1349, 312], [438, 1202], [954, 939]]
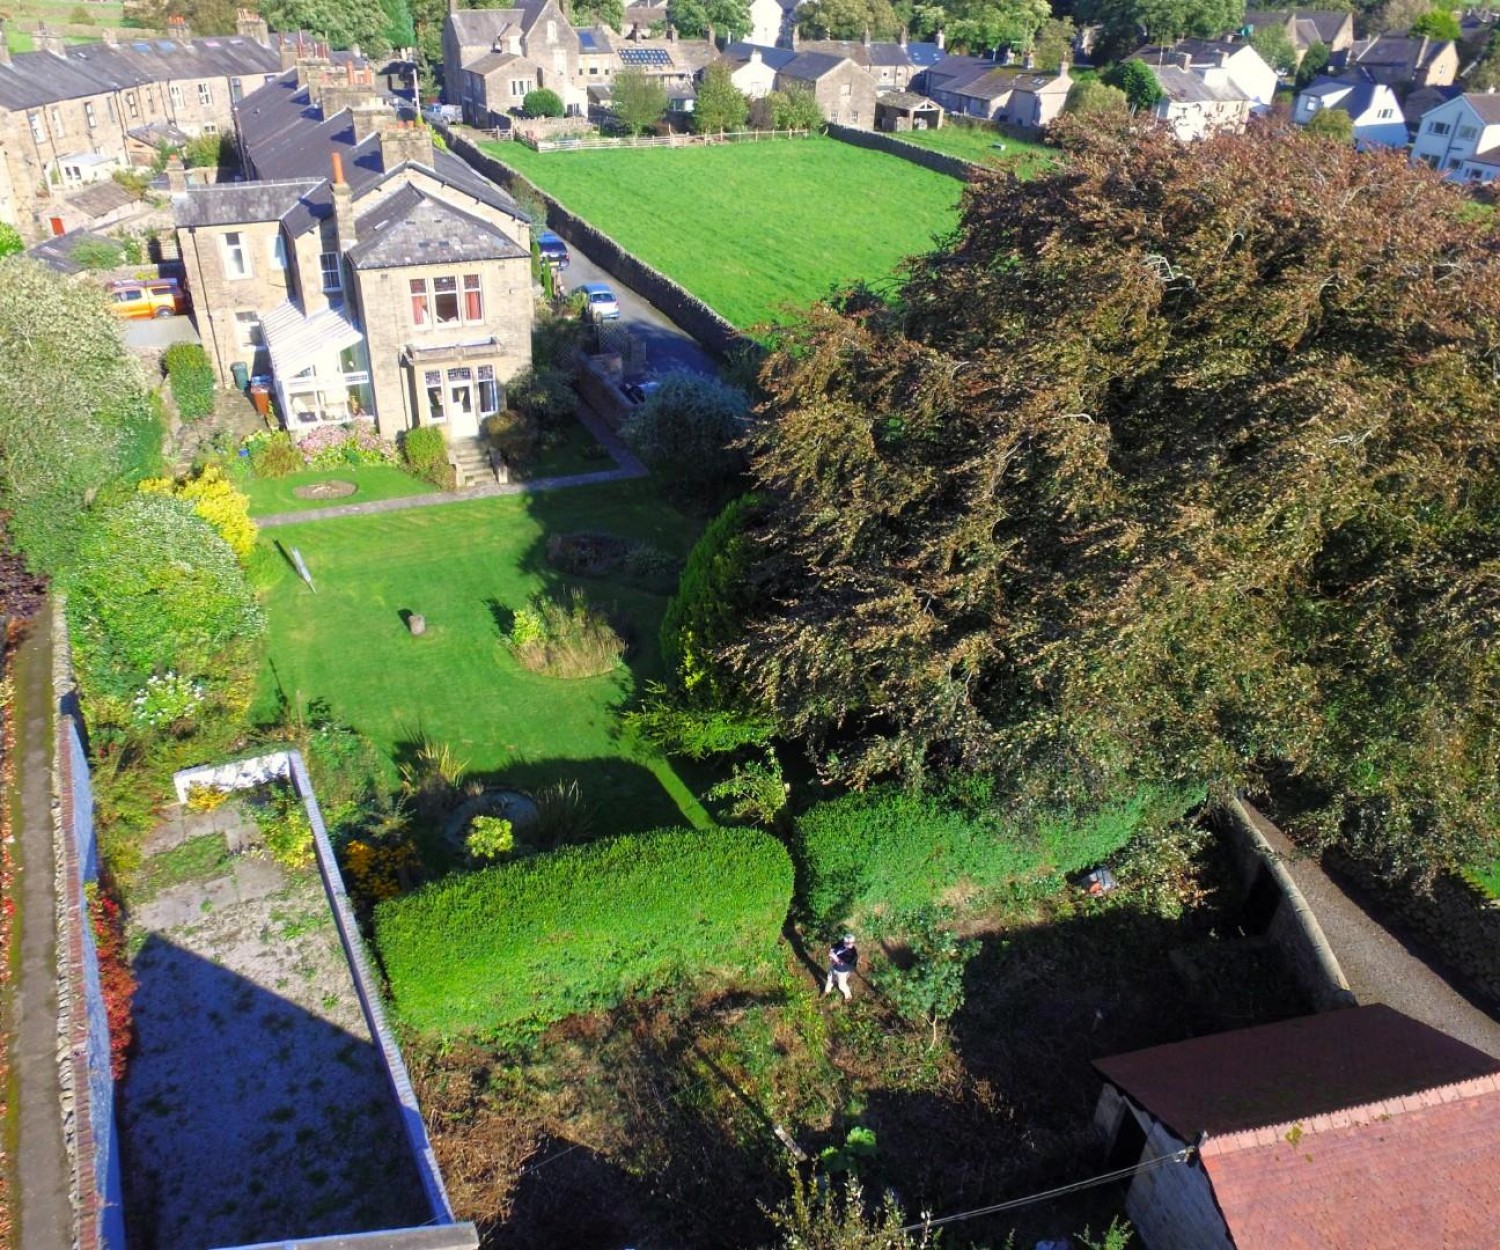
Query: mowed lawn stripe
[[348, 643], [753, 229]]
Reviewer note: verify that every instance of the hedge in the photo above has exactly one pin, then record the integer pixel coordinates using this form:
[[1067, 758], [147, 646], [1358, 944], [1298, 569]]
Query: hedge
[[507, 950], [192, 379], [886, 849]]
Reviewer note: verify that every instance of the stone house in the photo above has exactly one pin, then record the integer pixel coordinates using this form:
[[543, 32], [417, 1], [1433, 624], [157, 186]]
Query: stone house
[[1461, 137], [1243, 66], [493, 57], [1333, 28], [395, 286], [1357, 1127], [844, 92], [1199, 100], [1006, 94], [752, 68], [67, 112], [1404, 61], [898, 111], [1373, 107]]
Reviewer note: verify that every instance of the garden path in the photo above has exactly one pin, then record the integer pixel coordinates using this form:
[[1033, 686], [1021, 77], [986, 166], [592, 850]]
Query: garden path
[[626, 468]]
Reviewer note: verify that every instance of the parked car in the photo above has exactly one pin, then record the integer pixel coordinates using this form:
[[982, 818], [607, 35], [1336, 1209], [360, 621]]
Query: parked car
[[554, 251], [639, 390], [146, 297], [602, 304], [445, 113]]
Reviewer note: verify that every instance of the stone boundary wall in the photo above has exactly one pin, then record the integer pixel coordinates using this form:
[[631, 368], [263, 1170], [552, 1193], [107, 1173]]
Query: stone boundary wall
[[686, 309], [288, 765], [878, 141], [90, 1129], [1293, 928]]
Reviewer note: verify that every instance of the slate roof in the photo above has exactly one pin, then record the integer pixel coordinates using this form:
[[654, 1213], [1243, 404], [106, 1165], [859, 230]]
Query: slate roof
[[33, 79], [810, 66], [594, 41], [1202, 51], [924, 55], [491, 61], [1182, 86], [57, 252], [739, 54], [227, 203], [1425, 98], [101, 198], [410, 227], [906, 100], [1396, 51], [862, 54], [285, 137], [1324, 24], [482, 25], [1486, 104]]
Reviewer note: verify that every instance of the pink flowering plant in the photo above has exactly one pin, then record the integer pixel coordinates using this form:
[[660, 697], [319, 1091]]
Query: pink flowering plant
[[335, 446]]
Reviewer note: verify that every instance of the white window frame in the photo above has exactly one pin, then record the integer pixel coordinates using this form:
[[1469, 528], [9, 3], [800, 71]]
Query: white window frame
[[38, 130], [276, 253], [234, 250], [205, 93], [176, 92], [332, 273], [249, 334], [89, 117], [57, 121]]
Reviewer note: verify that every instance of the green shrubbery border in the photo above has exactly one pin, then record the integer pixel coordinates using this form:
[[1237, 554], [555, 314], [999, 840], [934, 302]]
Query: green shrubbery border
[[510, 949], [887, 849], [192, 379]]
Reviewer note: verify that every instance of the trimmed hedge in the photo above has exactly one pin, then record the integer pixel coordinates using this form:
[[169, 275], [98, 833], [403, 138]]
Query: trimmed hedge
[[885, 849], [507, 950], [192, 379]]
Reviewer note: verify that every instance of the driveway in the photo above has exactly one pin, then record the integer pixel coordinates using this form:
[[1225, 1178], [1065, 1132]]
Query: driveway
[[667, 345], [158, 334]]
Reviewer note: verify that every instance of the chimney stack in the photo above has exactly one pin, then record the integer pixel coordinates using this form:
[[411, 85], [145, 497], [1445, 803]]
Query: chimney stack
[[177, 28], [250, 25], [176, 174], [405, 141], [941, 40], [794, 32], [903, 37], [1184, 59], [4, 46], [343, 206], [47, 40]]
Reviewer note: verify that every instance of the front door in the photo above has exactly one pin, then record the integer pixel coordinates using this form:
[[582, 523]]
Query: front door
[[460, 406]]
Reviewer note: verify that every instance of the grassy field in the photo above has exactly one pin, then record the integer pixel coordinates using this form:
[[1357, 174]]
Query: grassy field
[[986, 146], [272, 495], [753, 229], [465, 567]]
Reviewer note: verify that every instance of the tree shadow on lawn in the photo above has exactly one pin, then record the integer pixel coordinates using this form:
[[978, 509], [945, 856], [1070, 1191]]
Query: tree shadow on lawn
[[245, 1118]]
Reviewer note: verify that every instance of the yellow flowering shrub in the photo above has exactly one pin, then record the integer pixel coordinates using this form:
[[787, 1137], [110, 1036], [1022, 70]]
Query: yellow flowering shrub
[[376, 870], [215, 499]]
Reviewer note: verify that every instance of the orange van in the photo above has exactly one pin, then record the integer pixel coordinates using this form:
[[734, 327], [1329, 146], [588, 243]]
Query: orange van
[[150, 297]]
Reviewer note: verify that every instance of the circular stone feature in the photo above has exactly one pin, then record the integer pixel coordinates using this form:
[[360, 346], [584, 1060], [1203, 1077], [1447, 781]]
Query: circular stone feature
[[335, 488]]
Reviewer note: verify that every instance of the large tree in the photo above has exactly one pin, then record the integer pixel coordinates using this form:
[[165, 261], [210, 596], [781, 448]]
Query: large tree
[[73, 414], [639, 101], [728, 19], [720, 106], [1127, 23], [1181, 464]]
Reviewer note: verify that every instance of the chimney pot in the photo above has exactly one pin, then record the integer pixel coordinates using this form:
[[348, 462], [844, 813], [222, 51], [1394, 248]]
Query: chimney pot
[[338, 171]]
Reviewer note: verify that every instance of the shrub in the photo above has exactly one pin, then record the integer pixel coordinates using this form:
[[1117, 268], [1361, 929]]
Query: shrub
[[274, 455], [201, 798], [545, 395], [513, 434], [563, 816], [215, 499], [96, 254], [930, 989], [543, 102], [379, 869], [489, 837], [510, 949], [423, 447], [285, 828], [192, 379], [341, 446], [156, 590], [690, 427], [708, 612], [11, 241], [116, 980], [889, 849], [565, 638]]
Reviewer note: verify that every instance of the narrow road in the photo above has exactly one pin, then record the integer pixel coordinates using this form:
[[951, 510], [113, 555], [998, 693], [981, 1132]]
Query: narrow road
[[1379, 967], [43, 1209]]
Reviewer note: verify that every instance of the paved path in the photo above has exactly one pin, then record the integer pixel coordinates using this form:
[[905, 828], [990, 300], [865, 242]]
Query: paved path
[[1379, 967], [626, 468], [43, 1210]]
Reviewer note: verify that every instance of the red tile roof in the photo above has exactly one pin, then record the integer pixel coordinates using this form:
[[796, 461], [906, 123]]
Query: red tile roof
[[1291, 1070], [1352, 1130], [1417, 1171]]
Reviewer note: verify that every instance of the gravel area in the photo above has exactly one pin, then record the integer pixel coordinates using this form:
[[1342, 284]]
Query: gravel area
[[255, 1108]]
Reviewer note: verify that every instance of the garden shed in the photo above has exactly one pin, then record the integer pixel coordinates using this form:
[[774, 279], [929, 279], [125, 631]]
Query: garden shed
[[903, 110], [1357, 1128]]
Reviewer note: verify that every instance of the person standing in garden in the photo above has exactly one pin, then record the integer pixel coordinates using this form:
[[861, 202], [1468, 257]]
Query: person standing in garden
[[843, 958]]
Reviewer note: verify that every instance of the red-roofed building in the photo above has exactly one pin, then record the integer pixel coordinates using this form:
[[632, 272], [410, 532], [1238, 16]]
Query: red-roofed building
[[1359, 1129]]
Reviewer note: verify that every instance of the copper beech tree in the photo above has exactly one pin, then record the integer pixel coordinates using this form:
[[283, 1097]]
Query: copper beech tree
[[1180, 464]]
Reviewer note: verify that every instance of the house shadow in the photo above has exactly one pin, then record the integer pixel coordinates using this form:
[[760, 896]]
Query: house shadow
[[247, 1118]]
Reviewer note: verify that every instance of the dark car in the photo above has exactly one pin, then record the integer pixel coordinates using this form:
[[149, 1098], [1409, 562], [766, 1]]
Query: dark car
[[554, 251]]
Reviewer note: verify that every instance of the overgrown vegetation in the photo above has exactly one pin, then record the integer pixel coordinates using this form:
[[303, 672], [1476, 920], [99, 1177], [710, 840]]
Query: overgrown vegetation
[[192, 379], [511, 948], [566, 637]]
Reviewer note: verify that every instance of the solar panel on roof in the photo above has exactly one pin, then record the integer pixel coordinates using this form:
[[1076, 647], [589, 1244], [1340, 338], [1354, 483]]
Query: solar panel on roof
[[645, 56], [141, 47]]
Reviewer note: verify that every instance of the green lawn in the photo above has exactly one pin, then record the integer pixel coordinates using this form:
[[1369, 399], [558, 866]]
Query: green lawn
[[461, 566], [985, 145], [753, 228], [272, 495]]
